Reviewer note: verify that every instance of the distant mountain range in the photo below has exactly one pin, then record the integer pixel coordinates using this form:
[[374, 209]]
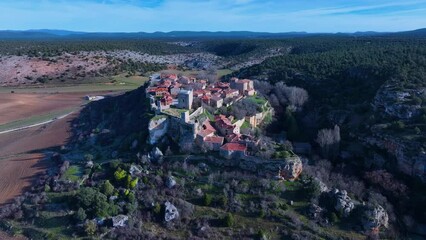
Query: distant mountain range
[[63, 34]]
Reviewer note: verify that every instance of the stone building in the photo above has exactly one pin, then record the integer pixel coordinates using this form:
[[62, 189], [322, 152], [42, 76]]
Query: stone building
[[185, 99]]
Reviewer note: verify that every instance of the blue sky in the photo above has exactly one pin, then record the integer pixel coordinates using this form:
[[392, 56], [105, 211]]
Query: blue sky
[[213, 15]]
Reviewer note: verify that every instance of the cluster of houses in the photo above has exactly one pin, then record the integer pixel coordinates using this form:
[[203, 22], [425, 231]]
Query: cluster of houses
[[168, 90], [181, 102]]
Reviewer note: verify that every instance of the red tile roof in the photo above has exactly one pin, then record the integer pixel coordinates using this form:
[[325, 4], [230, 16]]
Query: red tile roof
[[222, 121], [205, 132], [216, 98], [198, 93], [233, 137], [207, 125], [171, 76], [214, 139], [205, 98], [234, 147]]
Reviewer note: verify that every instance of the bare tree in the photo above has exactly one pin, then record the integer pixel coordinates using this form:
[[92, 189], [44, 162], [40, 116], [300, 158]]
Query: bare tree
[[263, 87], [294, 96], [212, 74], [329, 140]]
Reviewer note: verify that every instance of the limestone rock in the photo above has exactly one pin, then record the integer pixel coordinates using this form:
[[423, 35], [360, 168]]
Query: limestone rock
[[343, 202], [156, 155], [315, 211], [289, 168], [170, 182], [157, 129], [292, 168], [89, 164], [374, 218], [120, 221], [134, 171], [171, 212]]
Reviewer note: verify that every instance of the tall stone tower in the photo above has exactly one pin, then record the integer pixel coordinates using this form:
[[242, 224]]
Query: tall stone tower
[[185, 99]]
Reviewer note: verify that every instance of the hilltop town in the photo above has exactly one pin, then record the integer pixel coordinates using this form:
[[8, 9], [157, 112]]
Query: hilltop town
[[193, 113]]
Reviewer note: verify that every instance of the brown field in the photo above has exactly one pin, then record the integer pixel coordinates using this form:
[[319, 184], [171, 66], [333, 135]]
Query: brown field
[[22, 157], [23, 152], [4, 236], [20, 106]]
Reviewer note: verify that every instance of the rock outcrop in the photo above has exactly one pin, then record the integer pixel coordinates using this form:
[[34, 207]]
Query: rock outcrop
[[315, 211], [343, 202], [155, 155], [292, 168], [171, 212], [157, 129], [394, 102], [170, 182], [374, 218], [119, 221], [411, 160], [289, 168]]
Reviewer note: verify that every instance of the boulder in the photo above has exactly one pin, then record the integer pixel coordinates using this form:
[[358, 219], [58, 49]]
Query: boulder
[[170, 182], [375, 217], [89, 164], [119, 220], [343, 202], [292, 168], [315, 211], [171, 212], [156, 155], [134, 171]]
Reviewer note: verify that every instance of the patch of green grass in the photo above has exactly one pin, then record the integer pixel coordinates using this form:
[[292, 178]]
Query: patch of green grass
[[260, 101], [175, 112], [73, 173], [35, 119], [246, 125], [55, 224], [209, 115], [158, 117], [59, 197], [98, 84], [223, 72]]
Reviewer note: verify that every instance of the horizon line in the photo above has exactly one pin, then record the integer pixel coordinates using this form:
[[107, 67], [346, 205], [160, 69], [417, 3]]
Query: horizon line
[[205, 31]]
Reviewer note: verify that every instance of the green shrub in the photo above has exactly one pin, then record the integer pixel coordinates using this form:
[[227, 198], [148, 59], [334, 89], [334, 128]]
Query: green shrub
[[417, 130], [157, 208], [120, 175], [284, 206], [90, 228], [207, 199], [229, 220], [261, 234], [223, 201], [334, 218], [107, 188], [80, 215]]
